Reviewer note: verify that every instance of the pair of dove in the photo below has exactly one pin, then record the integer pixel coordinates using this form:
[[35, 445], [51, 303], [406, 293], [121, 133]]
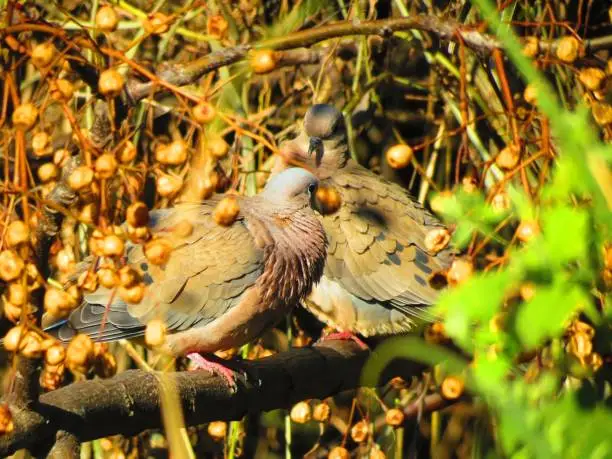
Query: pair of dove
[[364, 268]]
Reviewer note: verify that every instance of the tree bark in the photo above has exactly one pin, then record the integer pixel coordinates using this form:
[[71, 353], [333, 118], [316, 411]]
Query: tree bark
[[130, 402]]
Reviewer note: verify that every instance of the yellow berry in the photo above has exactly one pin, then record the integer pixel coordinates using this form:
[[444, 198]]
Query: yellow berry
[[531, 47], [24, 117], [110, 83], [500, 202], [127, 153], [138, 234], [107, 19], [300, 412], [106, 166], [158, 251], [568, 49], [399, 156], [81, 178], [168, 185], [137, 214], [452, 387], [217, 430], [530, 94], [89, 213], [263, 60], [88, 281], [527, 291], [113, 246], [55, 354], [128, 276], [321, 412], [173, 154], [394, 417], [11, 265], [80, 354], [527, 229], [60, 157], [43, 54], [134, 294], [13, 338], [360, 431], [41, 144], [157, 23], [58, 303], [203, 113], [509, 157], [155, 333], [437, 239], [339, 452], [217, 146], [602, 113], [17, 294], [591, 77], [62, 89], [227, 211], [47, 172], [17, 233], [217, 26], [460, 271], [108, 277]]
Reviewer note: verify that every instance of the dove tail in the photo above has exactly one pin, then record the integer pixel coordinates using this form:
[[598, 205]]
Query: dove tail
[[99, 322]]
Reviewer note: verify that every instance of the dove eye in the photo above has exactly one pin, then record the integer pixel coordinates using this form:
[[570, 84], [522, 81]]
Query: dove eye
[[311, 188]]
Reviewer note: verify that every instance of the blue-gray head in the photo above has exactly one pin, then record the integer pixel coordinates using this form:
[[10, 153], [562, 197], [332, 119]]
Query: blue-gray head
[[292, 185], [322, 123], [321, 146]]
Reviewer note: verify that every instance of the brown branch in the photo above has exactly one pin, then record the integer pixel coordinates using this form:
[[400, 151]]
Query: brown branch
[[130, 402], [430, 403], [66, 446], [182, 74]]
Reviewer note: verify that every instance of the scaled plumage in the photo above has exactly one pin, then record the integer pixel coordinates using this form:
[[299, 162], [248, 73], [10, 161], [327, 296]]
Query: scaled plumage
[[222, 286], [377, 267]]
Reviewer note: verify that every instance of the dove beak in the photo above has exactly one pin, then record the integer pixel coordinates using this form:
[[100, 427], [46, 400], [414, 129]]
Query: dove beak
[[316, 146]]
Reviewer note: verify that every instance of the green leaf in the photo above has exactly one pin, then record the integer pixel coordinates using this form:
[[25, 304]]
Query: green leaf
[[474, 302], [565, 233], [295, 18], [546, 314]]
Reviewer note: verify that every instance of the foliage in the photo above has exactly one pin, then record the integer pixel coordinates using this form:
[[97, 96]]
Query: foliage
[[511, 146], [542, 414]]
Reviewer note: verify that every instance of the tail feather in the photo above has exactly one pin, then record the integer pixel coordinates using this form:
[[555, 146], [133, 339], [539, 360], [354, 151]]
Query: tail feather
[[98, 322]]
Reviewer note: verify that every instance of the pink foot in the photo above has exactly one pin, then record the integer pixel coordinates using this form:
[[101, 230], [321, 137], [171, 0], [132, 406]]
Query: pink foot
[[202, 363], [345, 336]]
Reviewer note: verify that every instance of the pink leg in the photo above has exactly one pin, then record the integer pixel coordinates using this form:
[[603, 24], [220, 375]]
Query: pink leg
[[200, 362], [345, 336]]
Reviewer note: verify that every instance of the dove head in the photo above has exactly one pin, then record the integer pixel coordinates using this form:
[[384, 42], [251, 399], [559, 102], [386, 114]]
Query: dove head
[[321, 146], [292, 187]]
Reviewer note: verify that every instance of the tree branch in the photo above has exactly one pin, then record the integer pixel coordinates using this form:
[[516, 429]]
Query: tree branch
[[130, 402], [182, 74]]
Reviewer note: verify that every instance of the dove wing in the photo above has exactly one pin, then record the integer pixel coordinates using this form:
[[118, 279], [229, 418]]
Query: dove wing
[[207, 274], [376, 256]]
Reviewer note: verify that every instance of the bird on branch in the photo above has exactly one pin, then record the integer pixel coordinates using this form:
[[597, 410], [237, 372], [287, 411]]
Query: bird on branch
[[377, 268], [223, 284]]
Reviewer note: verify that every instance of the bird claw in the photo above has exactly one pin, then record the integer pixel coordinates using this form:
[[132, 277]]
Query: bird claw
[[200, 362], [345, 336]]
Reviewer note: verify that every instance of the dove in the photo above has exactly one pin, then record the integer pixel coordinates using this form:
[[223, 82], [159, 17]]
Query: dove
[[376, 274], [222, 285]]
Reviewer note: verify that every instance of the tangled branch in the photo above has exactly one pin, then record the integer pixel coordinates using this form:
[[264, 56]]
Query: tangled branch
[[130, 402]]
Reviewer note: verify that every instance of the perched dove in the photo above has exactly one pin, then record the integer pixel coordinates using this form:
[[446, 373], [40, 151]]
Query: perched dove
[[221, 285], [377, 268]]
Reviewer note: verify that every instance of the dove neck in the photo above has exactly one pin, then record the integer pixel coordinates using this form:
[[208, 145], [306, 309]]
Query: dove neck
[[296, 258]]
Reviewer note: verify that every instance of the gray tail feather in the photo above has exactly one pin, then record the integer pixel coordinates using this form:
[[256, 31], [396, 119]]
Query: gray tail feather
[[100, 323]]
